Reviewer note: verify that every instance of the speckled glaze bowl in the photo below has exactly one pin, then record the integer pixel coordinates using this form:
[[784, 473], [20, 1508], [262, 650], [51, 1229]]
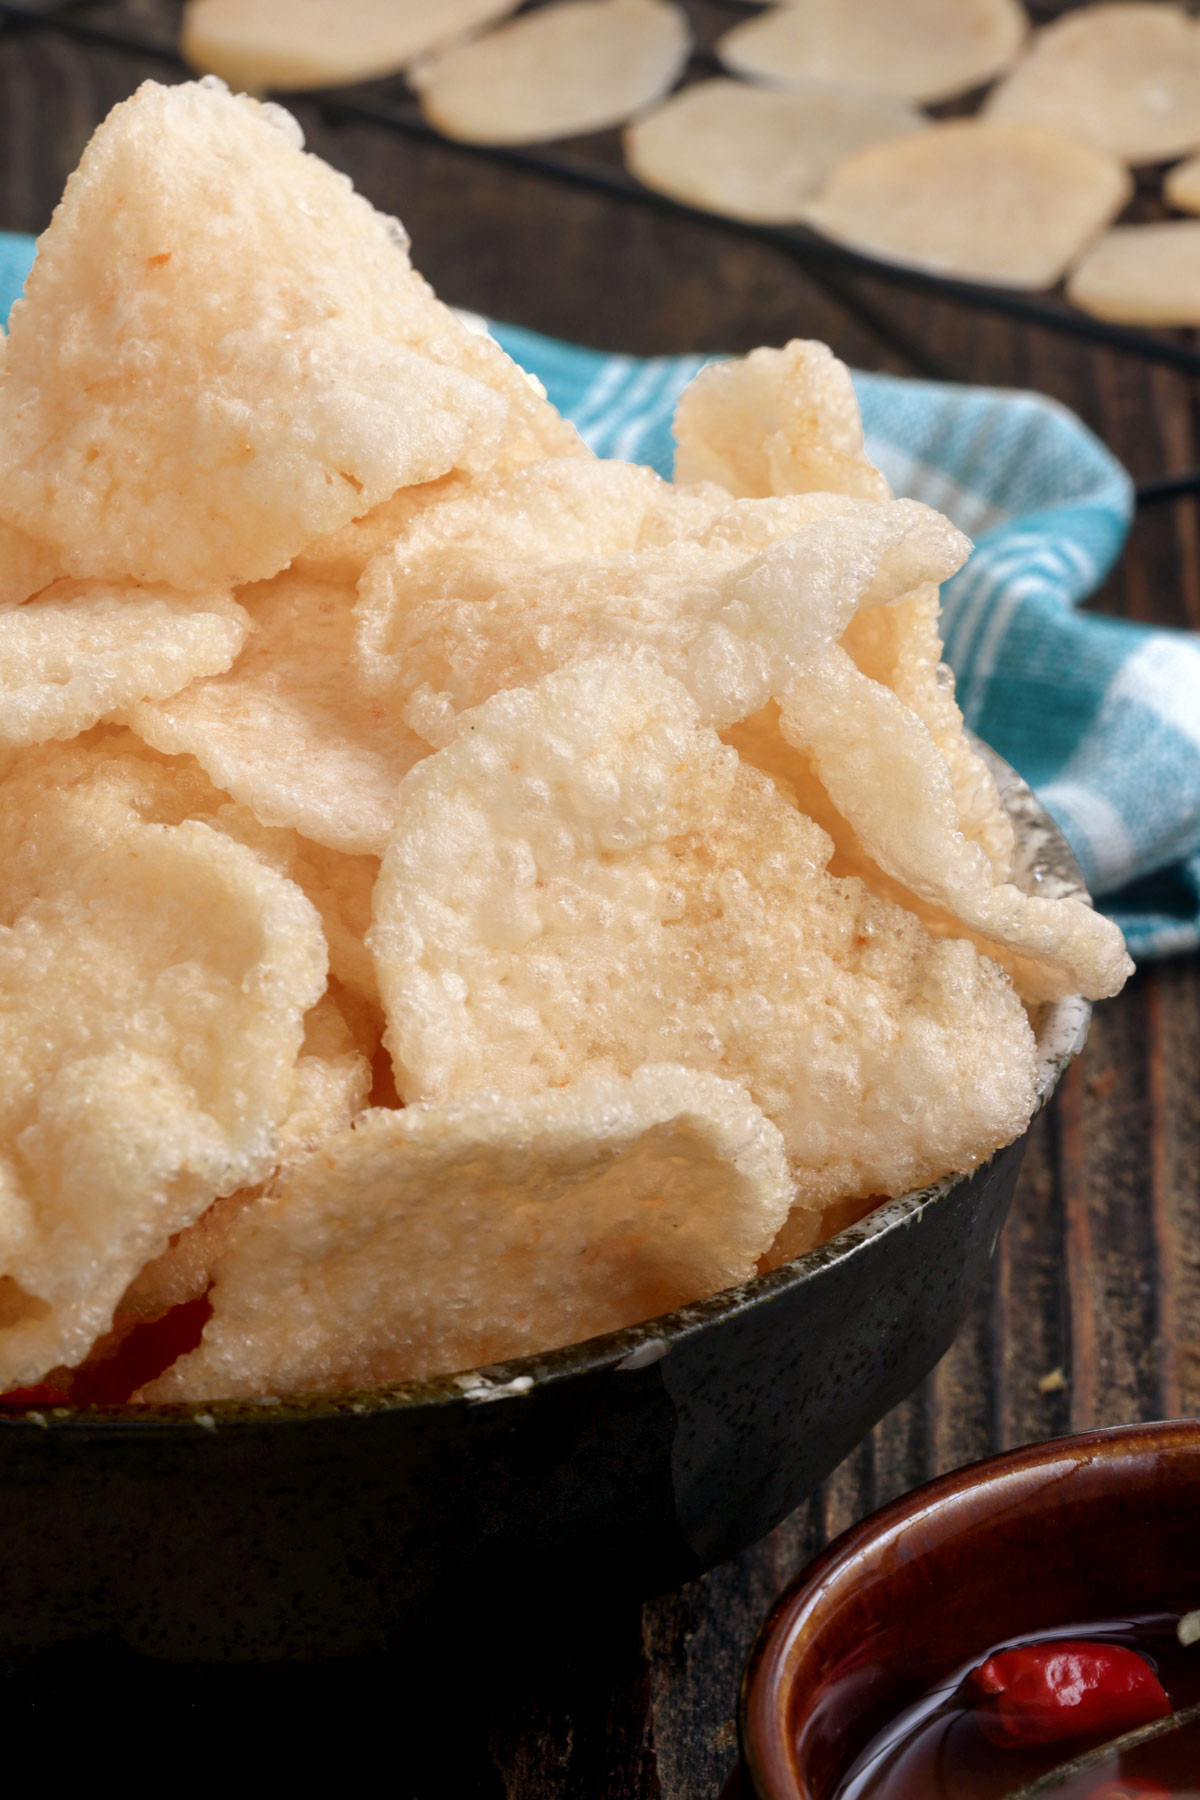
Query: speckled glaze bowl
[[294, 1529], [1097, 1526]]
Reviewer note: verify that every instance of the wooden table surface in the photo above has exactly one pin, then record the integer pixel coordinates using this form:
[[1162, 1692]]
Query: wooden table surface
[[1093, 1316]]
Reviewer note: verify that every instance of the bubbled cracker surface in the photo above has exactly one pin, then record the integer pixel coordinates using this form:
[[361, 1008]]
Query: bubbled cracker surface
[[290, 731], [590, 879], [332, 1086], [223, 353], [151, 1013], [493, 590], [83, 649], [444, 1237], [775, 422]]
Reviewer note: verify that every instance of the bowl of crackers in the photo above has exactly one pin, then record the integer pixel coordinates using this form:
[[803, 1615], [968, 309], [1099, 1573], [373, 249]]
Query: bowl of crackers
[[521, 1000]]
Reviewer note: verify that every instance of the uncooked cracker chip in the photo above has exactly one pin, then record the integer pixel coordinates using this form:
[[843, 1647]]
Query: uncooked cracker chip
[[1142, 275], [1123, 77], [758, 153], [589, 879], [83, 649], [445, 1237], [1181, 187], [151, 1012], [1007, 203], [290, 731], [257, 44], [923, 49], [223, 353], [558, 71]]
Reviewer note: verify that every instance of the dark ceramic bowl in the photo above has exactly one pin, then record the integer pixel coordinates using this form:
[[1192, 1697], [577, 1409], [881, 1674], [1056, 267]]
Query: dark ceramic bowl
[[316, 1526], [1093, 1527]]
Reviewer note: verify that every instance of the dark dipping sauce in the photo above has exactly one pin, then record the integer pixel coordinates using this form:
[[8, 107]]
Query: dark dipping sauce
[[935, 1750]]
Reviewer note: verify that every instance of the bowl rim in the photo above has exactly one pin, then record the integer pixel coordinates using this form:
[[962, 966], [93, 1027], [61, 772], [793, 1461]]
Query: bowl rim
[[1046, 866], [763, 1737]]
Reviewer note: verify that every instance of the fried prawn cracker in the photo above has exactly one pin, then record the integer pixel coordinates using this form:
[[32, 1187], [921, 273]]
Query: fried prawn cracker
[[26, 567], [60, 801], [776, 422], [83, 649], [884, 773], [151, 1013], [290, 731], [333, 1083], [773, 423], [726, 593], [223, 353], [588, 879], [445, 1237]]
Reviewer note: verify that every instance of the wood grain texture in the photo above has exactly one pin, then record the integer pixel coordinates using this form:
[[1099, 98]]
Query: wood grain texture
[[1093, 1315]]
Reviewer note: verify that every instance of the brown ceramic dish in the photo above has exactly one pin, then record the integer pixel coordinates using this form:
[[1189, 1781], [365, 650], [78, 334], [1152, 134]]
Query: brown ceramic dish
[[1103, 1525]]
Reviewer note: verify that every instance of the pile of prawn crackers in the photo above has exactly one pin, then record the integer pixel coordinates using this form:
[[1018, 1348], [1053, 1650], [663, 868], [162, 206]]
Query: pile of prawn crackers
[[460, 896]]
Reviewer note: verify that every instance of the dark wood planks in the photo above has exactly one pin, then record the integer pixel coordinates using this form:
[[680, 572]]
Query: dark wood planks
[[1093, 1315]]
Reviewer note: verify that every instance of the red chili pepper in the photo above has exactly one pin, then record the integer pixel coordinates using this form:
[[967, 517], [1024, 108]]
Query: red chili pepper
[[1130, 1790], [41, 1394], [1042, 1693]]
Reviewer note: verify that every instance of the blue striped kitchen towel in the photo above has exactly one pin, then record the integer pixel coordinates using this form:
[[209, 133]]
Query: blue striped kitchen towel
[[1101, 717]]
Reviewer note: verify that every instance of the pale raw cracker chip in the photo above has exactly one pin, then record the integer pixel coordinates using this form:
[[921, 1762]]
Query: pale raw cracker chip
[[758, 153], [1142, 275], [446, 1237], [151, 1012], [1181, 187], [556, 72], [290, 732], [924, 49], [884, 773], [1123, 77], [776, 422], [1007, 203], [223, 353], [333, 1083], [257, 44], [588, 880], [725, 616], [82, 649], [26, 567]]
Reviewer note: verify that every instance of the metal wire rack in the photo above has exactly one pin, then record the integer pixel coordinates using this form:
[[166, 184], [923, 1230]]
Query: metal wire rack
[[594, 164]]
